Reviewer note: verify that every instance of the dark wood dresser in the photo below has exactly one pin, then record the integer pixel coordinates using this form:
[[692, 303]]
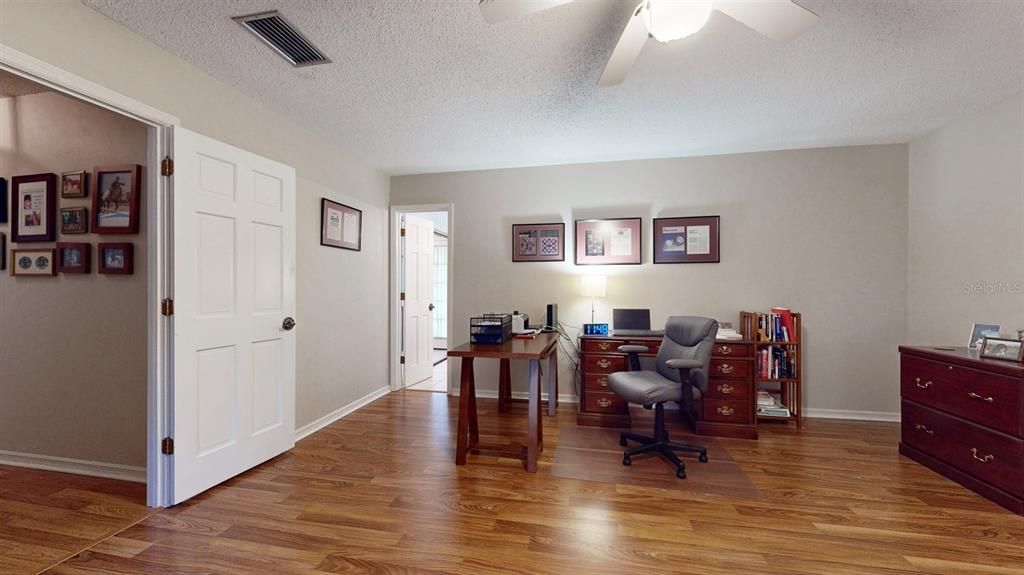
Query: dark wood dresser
[[963, 417], [727, 409]]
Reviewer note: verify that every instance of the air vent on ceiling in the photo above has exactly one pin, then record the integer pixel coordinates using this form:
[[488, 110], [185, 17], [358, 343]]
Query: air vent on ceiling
[[280, 35]]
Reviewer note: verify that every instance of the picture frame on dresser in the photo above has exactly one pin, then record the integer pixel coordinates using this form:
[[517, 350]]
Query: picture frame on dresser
[[1002, 348]]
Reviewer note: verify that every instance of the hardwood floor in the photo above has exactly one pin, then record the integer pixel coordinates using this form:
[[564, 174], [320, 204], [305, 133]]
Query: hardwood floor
[[378, 492]]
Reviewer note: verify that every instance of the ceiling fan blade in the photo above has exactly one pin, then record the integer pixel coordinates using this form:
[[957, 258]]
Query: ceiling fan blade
[[632, 40], [495, 11], [779, 20]]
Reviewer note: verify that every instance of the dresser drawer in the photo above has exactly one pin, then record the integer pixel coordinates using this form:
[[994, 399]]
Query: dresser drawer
[[731, 369], [728, 389], [603, 345], [598, 402], [985, 398], [991, 456], [594, 363], [726, 410], [596, 382], [731, 350]]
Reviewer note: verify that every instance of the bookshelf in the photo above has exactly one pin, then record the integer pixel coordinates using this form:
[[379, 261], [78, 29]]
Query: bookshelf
[[778, 356]]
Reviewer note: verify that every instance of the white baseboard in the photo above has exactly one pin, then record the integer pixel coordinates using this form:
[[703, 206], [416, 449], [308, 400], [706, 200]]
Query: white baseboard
[[75, 466], [848, 414], [493, 394], [337, 414]]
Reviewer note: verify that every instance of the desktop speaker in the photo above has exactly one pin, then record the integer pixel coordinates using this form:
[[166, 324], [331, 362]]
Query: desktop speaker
[[551, 324]]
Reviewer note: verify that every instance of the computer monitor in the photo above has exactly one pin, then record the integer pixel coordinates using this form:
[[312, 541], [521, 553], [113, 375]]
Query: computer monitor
[[631, 319]]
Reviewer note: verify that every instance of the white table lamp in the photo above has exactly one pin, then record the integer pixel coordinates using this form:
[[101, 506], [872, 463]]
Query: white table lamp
[[594, 287]]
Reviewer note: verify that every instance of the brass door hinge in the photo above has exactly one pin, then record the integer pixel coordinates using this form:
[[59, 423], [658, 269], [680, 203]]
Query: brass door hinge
[[401, 296], [167, 166], [402, 232], [401, 360], [167, 446], [167, 307]]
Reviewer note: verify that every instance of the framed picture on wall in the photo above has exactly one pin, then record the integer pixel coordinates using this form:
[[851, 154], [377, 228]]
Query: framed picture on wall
[[3, 251], [33, 263], [608, 242], [34, 208], [538, 242], [74, 221], [74, 184], [341, 226], [115, 199], [74, 258], [3, 201], [116, 258], [687, 240]]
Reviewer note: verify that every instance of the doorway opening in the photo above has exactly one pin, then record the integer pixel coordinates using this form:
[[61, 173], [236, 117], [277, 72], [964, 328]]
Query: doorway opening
[[421, 264]]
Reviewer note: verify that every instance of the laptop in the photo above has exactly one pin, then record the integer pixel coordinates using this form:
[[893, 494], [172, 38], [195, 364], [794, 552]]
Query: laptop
[[633, 322]]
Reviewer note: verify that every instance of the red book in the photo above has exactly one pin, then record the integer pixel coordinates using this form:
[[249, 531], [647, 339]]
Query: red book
[[787, 321]]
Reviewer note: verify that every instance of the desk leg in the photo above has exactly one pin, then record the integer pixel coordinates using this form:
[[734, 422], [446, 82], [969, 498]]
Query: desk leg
[[533, 443], [504, 385], [553, 381], [474, 430], [465, 390]]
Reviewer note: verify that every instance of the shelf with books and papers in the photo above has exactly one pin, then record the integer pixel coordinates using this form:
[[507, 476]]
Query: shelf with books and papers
[[778, 358]]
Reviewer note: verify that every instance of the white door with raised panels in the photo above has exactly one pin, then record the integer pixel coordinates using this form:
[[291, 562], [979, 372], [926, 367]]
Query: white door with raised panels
[[234, 307], [418, 311]]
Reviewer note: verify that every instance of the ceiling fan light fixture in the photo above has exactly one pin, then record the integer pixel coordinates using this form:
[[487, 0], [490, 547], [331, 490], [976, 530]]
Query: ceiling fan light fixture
[[669, 20]]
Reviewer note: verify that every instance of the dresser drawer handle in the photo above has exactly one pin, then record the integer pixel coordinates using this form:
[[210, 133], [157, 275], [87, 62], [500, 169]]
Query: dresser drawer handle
[[726, 410], [603, 363], [984, 458], [925, 385], [604, 402], [603, 382], [725, 350], [604, 345], [726, 368], [988, 399], [925, 429], [726, 388]]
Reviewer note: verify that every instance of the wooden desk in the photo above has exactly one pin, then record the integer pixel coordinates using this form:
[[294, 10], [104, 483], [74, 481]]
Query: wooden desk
[[543, 347]]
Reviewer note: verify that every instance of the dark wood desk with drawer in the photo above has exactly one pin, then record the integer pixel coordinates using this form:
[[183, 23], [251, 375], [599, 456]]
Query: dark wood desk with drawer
[[726, 410], [963, 417]]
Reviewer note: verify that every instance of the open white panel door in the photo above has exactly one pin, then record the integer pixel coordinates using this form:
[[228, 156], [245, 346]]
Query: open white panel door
[[234, 303], [418, 312]]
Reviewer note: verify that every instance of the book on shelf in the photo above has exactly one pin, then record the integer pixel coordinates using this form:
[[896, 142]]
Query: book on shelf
[[776, 362], [773, 411], [779, 325]]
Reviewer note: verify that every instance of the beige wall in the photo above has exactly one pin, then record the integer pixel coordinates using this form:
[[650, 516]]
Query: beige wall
[[73, 347], [966, 226], [823, 232], [342, 295]]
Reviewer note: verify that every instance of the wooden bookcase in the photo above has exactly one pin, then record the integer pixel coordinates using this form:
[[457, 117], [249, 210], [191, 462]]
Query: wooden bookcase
[[789, 388]]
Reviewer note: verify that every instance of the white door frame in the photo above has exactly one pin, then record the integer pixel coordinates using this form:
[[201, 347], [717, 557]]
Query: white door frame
[[396, 274], [159, 253]]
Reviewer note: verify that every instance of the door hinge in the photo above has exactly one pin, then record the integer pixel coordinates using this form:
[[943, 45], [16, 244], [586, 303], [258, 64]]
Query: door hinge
[[167, 166], [167, 446], [401, 296], [402, 232], [401, 360], [167, 307]]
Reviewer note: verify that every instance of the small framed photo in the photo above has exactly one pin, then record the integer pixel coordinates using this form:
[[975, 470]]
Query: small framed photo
[[34, 208], [999, 348], [116, 258], [115, 199], [538, 242], [608, 242], [686, 240], [3, 201], [74, 184], [3, 251], [74, 258], [33, 263], [341, 226], [979, 332], [74, 221]]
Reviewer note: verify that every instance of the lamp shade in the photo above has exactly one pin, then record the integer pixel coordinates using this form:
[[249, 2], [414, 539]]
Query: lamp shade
[[595, 286]]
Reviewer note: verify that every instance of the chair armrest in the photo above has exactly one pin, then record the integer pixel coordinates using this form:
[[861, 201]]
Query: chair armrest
[[682, 363], [634, 349]]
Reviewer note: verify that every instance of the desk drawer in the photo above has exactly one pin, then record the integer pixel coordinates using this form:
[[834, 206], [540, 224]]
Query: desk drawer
[[728, 389], [594, 363], [597, 402], [985, 398], [726, 410], [726, 350], [730, 369], [596, 382], [603, 345]]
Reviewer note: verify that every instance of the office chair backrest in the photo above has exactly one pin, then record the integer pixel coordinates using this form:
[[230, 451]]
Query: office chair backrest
[[687, 337]]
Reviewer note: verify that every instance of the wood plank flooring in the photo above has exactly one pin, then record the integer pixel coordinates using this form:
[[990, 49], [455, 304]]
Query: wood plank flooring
[[378, 493]]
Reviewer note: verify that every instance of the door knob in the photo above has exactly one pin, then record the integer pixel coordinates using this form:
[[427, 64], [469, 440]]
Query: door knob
[[430, 307], [288, 324]]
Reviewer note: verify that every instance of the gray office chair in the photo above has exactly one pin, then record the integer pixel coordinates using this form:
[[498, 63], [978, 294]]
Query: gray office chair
[[679, 373]]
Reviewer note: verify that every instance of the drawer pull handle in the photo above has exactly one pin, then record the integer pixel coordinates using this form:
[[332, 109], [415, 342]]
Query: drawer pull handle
[[725, 350], [984, 458], [726, 368], [603, 382], [726, 388], [604, 402], [604, 345], [603, 363], [925, 429], [925, 385], [726, 410], [988, 399]]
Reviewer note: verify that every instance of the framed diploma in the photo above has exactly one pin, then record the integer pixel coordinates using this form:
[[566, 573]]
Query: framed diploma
[[686, 240], [341, 226], [34, 208]]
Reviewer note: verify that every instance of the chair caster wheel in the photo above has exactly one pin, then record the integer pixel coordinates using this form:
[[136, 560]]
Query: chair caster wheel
[[681, 473], [622, 441], [703, 458], [626, 460]]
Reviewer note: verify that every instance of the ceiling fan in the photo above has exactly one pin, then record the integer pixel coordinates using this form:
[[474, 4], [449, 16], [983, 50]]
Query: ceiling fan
[[667, 20]]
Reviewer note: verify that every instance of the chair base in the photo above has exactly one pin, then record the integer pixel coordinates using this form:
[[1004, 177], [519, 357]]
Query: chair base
[[661, 444]]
